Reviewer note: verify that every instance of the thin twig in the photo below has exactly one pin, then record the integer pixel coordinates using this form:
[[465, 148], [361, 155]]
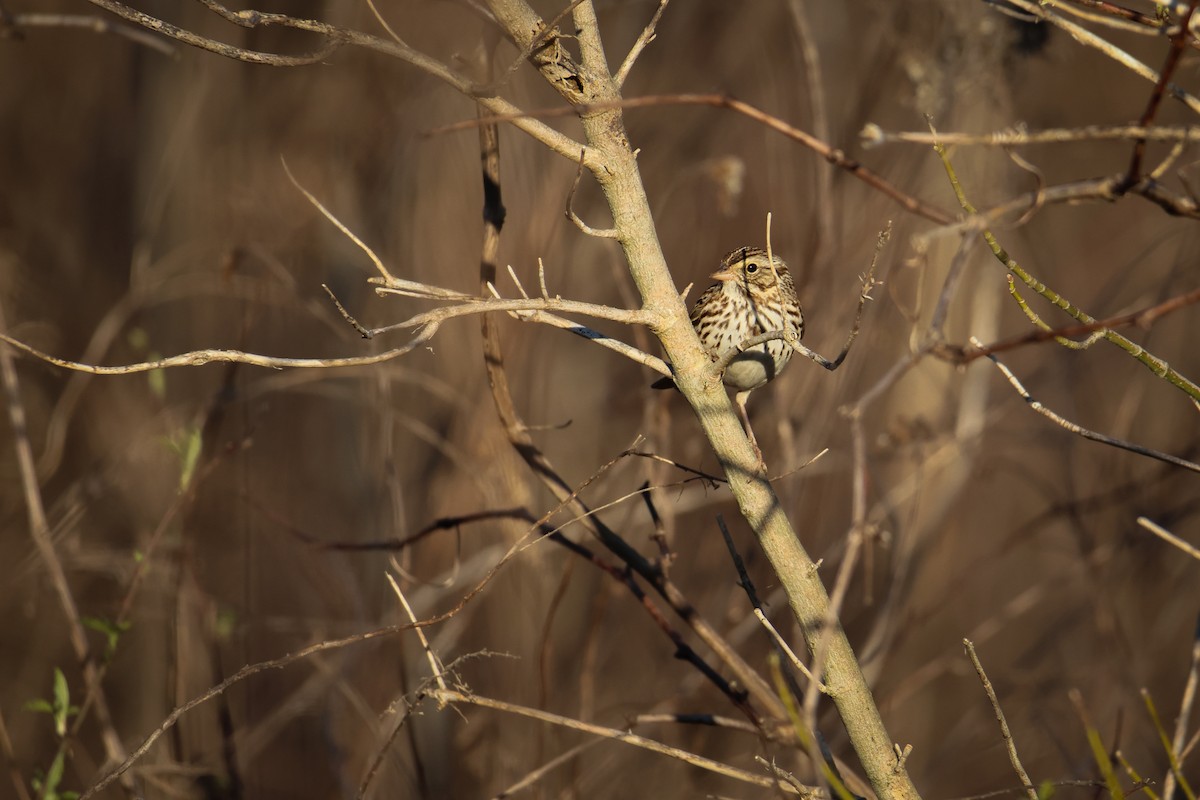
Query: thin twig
[[607, 733], [1168, 537], [436, 668], [1143, 318], [1178, 42], [1184, 717], [14, 774], [873, 135], [197, 358], [823, 203], [94, 24], [599, 233], [349, 234], [1086, 37], [1009, 744], [1080, 430], [833, 155], [238, 677], [748, 587], [535, 775], [646, 37], [336, 37], [1152, 362], [39, 532]]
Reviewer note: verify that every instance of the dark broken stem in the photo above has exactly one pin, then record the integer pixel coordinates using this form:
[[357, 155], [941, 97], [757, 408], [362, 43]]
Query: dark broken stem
[[364, 332], [784, 651], [665, 556]]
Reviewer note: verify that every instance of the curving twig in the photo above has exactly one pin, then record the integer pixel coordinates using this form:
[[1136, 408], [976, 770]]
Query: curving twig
[[1009, 744], [1079, 429]]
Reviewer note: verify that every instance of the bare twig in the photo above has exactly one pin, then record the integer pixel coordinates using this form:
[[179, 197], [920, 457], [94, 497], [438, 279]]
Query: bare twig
[[436, 669], [873, 135], [1183, 719], [1114, 16], [1080, 430], [94, 24], [833, 155], [1168, 537], [1152, 362], [335, 37], [535, 775], [645, 38], [197, 358], [39, 532], [14, 774], [606, 733], [349, 234], [1143, 318], [1009, 745], [814, 82], [238, 677], [599, 233], [748, 587], [1178, 42]]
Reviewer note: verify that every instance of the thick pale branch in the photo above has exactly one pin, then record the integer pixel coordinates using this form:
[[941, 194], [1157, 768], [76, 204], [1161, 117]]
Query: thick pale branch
[[632, 218], [518, 306]]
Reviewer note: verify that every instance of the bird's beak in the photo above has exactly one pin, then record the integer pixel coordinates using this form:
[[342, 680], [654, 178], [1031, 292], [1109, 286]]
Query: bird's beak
[[723, 275]]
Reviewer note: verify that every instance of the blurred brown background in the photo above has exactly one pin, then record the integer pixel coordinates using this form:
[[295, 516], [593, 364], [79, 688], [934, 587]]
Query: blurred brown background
[[144, 211]]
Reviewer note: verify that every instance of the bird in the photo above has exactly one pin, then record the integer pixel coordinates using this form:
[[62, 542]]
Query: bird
[[754, 294]]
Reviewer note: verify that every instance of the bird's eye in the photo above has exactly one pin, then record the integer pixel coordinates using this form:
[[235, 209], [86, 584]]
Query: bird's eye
[[751, 268]]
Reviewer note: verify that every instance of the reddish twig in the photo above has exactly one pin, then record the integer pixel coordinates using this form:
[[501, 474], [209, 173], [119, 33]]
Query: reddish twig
[[1142, 319], [1178, 42], [833, 155]]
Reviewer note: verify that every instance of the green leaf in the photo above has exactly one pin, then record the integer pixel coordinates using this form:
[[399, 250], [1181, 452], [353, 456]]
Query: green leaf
[[62, 703], [191, 456], [54, 776], [112, 632], [157, 378], [39, 705]]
